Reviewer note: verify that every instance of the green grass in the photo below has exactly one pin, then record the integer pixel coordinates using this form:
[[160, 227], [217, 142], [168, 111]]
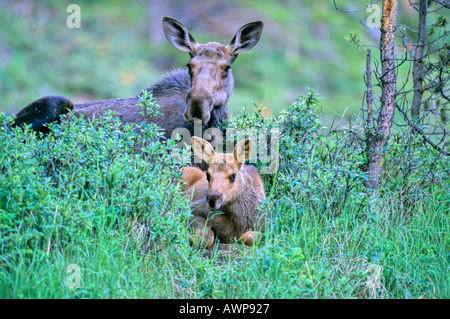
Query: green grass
[[83, 197], [317, 258]]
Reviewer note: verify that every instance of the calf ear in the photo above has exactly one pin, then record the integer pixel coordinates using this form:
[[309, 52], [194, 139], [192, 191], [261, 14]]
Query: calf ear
[[246, 37], [242, 151], [178, 35], [202, 149]]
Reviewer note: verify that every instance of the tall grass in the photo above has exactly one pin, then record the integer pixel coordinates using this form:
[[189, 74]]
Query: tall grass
[[106, 198]]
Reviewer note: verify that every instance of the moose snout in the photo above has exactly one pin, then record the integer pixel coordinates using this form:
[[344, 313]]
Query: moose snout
[[198, 106], [214, 200]]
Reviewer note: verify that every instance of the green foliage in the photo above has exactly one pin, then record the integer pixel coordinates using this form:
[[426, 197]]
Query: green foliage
[[329, 236], [60, 191], [148, 104], [353, 38], [106, 197], [313, 165]]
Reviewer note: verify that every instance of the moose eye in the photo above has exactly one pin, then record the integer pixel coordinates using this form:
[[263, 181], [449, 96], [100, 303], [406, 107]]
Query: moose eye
[[232, 177]]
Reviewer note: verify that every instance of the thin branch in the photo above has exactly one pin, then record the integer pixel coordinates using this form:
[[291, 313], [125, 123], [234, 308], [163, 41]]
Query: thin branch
[[419, 131], [370, 96], [418, 63], [357, 10], [444, 3]]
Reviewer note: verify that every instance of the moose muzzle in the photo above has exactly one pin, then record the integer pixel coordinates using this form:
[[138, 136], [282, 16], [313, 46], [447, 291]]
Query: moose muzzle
[[214, 200], [199, 106]]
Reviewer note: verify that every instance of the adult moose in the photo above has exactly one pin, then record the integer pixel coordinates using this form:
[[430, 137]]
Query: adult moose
[[199, 92]]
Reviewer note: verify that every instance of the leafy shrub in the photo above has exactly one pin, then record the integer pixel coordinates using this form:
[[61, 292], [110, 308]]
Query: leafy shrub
[[347, 236], [413, 170], [84, 193], [318, 170], [59, 190]]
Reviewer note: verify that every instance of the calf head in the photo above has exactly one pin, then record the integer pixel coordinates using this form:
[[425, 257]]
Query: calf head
[[224, 172], [210, 66]]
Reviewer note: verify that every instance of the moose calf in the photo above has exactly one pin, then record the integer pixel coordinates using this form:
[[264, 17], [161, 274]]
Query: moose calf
[[225, 200]]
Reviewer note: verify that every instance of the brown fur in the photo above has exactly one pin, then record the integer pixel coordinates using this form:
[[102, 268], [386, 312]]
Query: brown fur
[[228, 202]]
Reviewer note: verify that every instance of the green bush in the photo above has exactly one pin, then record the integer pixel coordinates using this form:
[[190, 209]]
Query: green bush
[[106, 197], [58, 190], [330, 237], [316, 169]]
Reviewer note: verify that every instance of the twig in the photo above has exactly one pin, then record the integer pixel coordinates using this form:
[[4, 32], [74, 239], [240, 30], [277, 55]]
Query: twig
[[444, 3], [356, 10], [417, 130], [418, 64], [369, 97], [51, 233]]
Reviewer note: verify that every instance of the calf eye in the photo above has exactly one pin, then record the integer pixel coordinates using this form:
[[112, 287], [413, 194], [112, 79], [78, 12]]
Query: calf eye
[[232, 177], [227, 68], [189, 69]]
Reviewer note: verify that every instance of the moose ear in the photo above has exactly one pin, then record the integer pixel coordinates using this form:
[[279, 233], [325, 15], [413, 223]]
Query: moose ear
[[178, 35], [246, 37], [202, 149], [242, 151]]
